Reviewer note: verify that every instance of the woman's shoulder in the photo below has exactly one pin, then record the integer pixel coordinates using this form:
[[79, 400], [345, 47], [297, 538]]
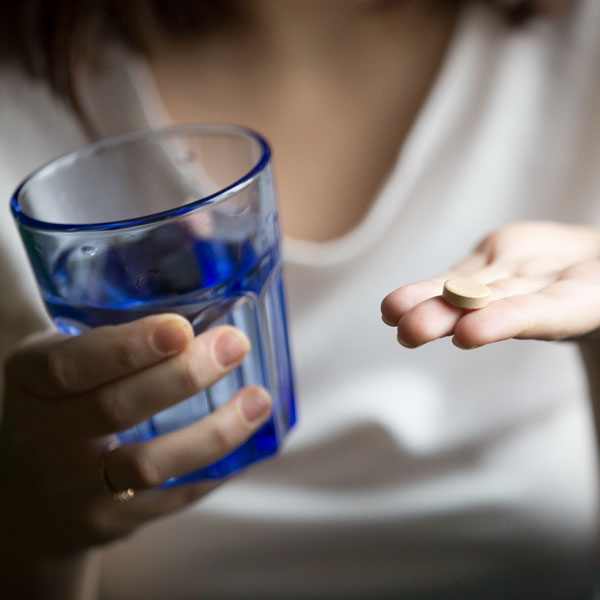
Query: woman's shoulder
[[36, 126]]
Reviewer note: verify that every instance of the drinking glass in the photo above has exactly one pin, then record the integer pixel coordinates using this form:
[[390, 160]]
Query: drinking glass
[[181, 219]]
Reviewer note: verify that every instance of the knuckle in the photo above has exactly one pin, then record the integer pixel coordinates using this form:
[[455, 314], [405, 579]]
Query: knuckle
[[113, 408], [219, 440], [128, 354], [144, 470], [491, 242], [60, 374], [499, 239], [191, 376]]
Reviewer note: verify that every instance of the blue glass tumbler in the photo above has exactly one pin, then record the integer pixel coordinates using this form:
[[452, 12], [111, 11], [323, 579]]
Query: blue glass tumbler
[[181, 219]]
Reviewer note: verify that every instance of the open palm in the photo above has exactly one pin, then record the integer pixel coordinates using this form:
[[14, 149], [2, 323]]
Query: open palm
[[544, 280]]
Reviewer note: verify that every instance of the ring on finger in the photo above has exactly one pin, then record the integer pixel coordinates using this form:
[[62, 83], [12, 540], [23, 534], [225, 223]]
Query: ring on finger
[[117, 495]]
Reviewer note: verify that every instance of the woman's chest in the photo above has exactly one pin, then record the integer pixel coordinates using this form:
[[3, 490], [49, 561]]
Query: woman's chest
[[335, 122]]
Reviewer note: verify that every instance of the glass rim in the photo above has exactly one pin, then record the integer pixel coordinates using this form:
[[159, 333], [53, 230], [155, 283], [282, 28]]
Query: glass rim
[[27, 221]]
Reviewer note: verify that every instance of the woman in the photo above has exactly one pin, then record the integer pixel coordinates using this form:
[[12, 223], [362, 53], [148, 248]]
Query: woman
[[426, 474]]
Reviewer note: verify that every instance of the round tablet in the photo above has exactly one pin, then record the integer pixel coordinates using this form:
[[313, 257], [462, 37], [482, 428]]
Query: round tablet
[[466, 293]]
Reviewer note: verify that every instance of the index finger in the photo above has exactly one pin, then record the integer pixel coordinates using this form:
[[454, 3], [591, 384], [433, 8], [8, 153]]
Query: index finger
[[59, 365], [397, 303]]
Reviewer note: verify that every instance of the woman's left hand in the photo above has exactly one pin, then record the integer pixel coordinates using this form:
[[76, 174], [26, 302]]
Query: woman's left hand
[[544, 280]]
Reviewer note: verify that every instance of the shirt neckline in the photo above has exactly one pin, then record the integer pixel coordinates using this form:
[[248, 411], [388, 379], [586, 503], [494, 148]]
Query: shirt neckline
[[138, 91]]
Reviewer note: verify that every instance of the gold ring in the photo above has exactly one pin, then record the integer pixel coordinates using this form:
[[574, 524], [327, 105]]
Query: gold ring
[[124, 495], [117, 495]]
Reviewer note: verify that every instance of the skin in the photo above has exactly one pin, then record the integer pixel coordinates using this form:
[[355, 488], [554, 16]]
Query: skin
[[544, 280], [335, 95], [60, 399], [57, 389]]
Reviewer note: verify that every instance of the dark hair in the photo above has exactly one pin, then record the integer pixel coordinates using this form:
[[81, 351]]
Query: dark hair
[[51, 39]]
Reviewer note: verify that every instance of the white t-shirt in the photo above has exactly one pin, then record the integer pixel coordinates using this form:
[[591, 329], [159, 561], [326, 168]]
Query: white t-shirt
[[426, 473]]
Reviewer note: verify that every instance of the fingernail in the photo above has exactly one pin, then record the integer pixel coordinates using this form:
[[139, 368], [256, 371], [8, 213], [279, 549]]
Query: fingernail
[[172, 336], [461, 346], [388, 322], [231, 347], [406, 344], [255, 403]]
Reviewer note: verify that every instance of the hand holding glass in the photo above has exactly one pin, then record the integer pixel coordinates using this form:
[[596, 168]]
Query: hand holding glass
[[183, 220]]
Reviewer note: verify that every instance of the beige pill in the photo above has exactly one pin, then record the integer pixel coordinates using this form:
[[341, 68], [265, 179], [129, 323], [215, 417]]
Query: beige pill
[[466, 293]]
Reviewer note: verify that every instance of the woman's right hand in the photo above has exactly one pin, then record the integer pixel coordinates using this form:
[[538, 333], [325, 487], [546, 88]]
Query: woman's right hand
[[65, 397]]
